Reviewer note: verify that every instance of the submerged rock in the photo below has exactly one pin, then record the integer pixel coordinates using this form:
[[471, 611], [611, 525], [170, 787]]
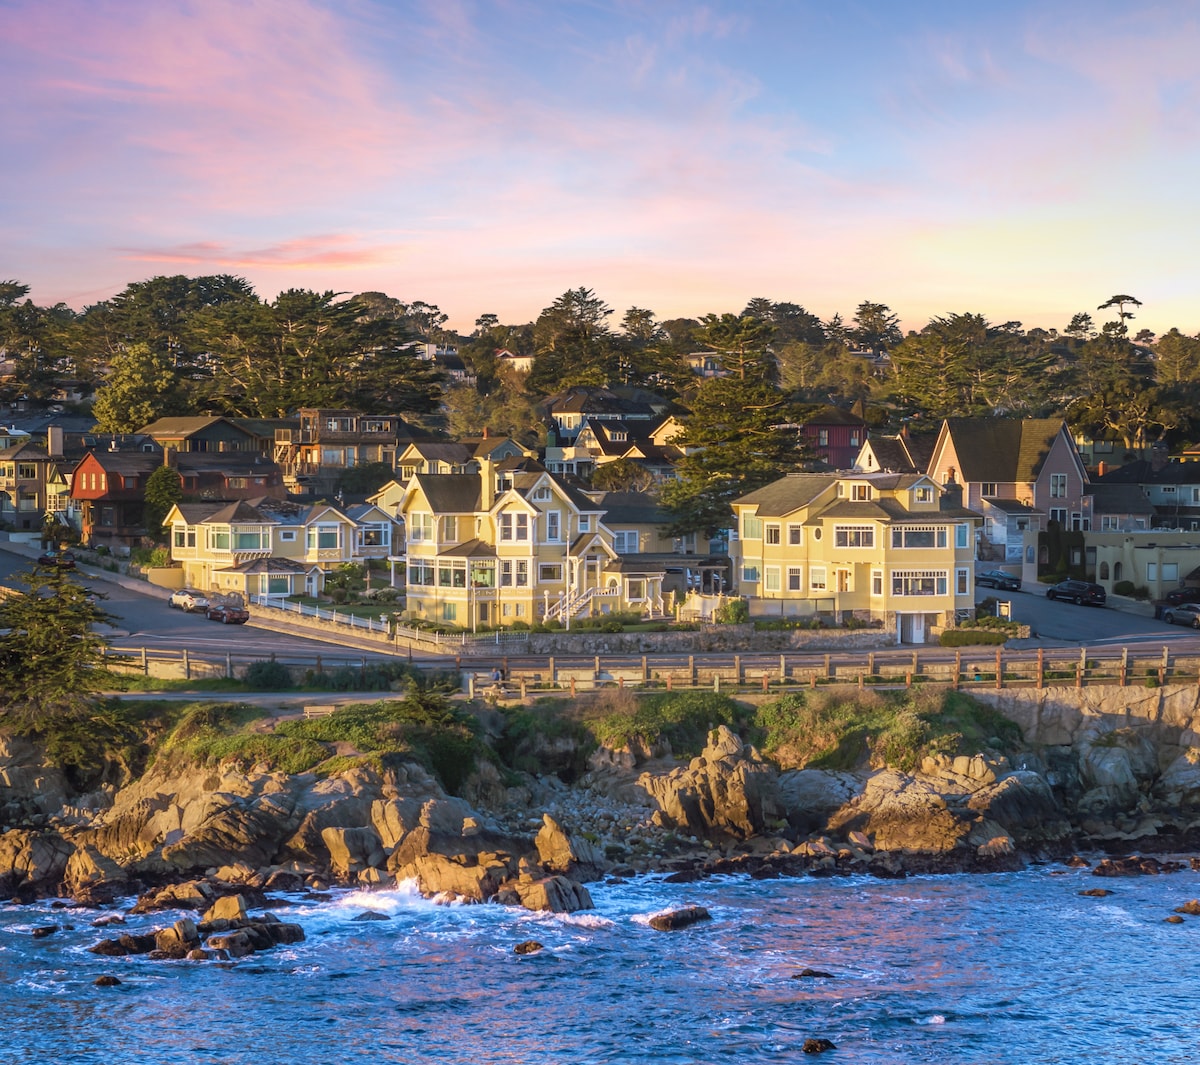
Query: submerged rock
[[530, 946], [674, 919]]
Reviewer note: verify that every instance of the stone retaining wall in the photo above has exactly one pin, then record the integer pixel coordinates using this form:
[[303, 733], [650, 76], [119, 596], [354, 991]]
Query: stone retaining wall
[[732, 638]]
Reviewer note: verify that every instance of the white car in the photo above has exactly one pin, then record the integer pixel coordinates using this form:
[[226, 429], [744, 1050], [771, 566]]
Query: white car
[[185, 599]]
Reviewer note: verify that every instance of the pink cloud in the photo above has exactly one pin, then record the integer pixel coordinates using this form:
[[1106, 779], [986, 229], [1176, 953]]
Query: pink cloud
[[305, 253]]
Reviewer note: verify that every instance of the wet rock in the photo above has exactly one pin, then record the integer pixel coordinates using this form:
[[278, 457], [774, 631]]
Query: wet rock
[[189, 895], [284, 880], [106, 981], [108, 919], [817, 1046], [674, 919], [816, 974], [1173, 919], [1096, 893], [371, 915], [573, 856], [124, 945], [555, 894], [1077, 862], [1191, 908], [351, 850], [530, 946], [228, 908], [42, 931]]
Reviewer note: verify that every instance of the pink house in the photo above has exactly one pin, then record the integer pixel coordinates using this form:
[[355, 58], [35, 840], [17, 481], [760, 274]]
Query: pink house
[[1020, 475]]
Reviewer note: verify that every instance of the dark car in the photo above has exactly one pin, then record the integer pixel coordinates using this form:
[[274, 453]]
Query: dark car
[[997, 578], [1079, 592], [227, 613], [61, 560], [1183, 614], [1182, 595]]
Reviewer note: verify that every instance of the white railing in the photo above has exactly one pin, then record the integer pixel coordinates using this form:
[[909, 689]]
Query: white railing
[[563, 607], [448, 642]]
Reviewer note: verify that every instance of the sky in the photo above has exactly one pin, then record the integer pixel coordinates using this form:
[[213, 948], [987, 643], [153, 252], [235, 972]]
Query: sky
[[1024, 160]]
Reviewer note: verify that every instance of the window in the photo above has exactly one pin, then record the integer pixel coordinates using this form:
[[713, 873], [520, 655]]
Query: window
[[449, 611], [1109, 523], [817, 578], [822, 437], [1167, 489], [919, 536], [860, 492], [276, 583], [771, 579], [987, 488], [924, 494], [1059, 514], [795, 535], [853, 536], [750, 574], [625, 542], [962, 535], [1058, 486], [772, 534], [1151, 571], [1170, 571], [323, 537], [635, 590], [795, 578], [751, 528], [244, 540], [421, 574], [514, 526], [585, 523], [553, 526], [287, 536], [483, 574], [375, 534], [541, 493], [550, 573], [506, 568], [27, 471], [522, 573], [450, 529], [854, 441], [218, 540], [962, 582], [877, 582], [919, 582], [420, 527]]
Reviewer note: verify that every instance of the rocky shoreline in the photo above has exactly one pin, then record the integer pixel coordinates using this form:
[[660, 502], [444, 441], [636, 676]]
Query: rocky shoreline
[[190, 836]]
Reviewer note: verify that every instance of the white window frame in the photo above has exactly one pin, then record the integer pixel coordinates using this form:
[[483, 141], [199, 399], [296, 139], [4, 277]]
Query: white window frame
[[818, 579], [771, 579], [854, 536]]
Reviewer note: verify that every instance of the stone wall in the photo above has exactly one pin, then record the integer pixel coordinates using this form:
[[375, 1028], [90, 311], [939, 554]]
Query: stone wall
[[732, 638]]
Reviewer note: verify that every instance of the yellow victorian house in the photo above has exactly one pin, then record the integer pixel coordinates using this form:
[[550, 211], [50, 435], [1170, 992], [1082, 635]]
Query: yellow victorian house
[[503, 546], [268, 546], [890, 547]]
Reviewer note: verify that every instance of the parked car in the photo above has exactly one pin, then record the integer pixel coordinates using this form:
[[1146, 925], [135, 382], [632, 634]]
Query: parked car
[[186, 599], [997, 578], [1182, 595], [1183, 614], [62, 560], [1078, 592], [227, 613]]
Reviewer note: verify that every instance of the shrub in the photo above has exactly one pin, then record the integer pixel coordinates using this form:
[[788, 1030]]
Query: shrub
[[682, 718], [268, 676], [1123, 588], [733, 612], [339, 595]]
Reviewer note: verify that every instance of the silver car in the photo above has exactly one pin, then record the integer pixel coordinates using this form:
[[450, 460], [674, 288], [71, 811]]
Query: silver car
[[1183, 614], [185, 599]]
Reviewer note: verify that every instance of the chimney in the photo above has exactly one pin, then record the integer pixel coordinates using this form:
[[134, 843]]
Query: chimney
[[54, 441], [170, 457], [952, 496], [487, 483], [1101, 468], [485, 432]]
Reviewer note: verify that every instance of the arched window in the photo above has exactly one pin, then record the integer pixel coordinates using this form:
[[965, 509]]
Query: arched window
[[1104, 571], [1116, 571]]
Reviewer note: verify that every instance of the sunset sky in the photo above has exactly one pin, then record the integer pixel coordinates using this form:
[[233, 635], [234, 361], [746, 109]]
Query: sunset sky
[[1026, 160]]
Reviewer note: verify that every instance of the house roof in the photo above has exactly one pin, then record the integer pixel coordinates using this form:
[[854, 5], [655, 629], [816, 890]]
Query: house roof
[[450, 493], [267, 565], [240, 512], [1120, 499], [1144, 472], [1002, 449], [1010, 506], [788, 493], [635, 508], [443, 451], [470, 549], [834, 416]]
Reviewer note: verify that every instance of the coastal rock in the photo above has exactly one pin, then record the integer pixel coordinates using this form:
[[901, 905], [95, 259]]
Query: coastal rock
[[106, 981], [572, 856], [30, 784], [810, 796], [32, 861], [682, 918], [727, 790], [92, 879], [437, 874], [228, 908], [903, 813], [529, 946], [351, 850], [190, 895], [817, 1046], [1024, 804], [555, 894]]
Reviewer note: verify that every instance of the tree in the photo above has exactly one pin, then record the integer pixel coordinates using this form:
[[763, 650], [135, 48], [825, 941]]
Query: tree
[[1122, 315], [1080, 327], [742, 343], [164, 488], [622, 475], [142, 385], [52, 657], [573, 344], [38, 340], [1178, 362], [876, 328], [744, 434]]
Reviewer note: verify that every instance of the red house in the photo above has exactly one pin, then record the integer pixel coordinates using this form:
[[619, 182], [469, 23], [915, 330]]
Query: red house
[[835, 435]]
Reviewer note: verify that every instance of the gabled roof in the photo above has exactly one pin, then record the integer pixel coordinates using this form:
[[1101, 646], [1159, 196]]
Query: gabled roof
[[27, 450], [450, 493], [788, 494], [470, 549], [442, 450], [635, 508], [1120, 499], [239, 513], [1145, 472], [834, 416], [1002, 449], [268, 565]]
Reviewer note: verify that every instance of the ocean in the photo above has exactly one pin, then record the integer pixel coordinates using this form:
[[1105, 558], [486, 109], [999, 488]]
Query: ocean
[[1002, 968]]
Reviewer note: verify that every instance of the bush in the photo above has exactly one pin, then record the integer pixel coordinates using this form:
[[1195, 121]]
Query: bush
[[733, 612], [1123, 588], [269, 676], [683, 719], [338, 595]]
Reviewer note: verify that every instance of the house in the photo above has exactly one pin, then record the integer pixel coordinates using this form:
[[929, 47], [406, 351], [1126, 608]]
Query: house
[[512, 362], [455, 456], [601, 441], [890, 547], [26, 471], [109, 485], [500, 547], [329, 442], [1021, 474], [1120, 507], [567, 412], [1154, 560], [835, 436], [208, 433], [267, 546], [906, 452], [1172, 490]]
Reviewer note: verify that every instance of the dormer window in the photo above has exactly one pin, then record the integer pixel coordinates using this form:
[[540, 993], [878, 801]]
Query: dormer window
[[860, 492], [541, 493], [924, 494], [619, 436]]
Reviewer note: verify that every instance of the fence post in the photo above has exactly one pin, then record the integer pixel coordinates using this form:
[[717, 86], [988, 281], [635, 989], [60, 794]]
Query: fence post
[[523, 689], [645, 670], [812, 679], [145, 664], [766, 680], [782, 669], [670, 679], [228, 666], [187, 665], [1124, 666], [1166, 665], [1078, 674], [1041, 677], [553, 675], [860, 682], [957, 668], [716, 682], [871, 664], [828, 674], [572, 687], [908, 679], [737, 671], [691, 669], [999, 670], [597, 666]]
